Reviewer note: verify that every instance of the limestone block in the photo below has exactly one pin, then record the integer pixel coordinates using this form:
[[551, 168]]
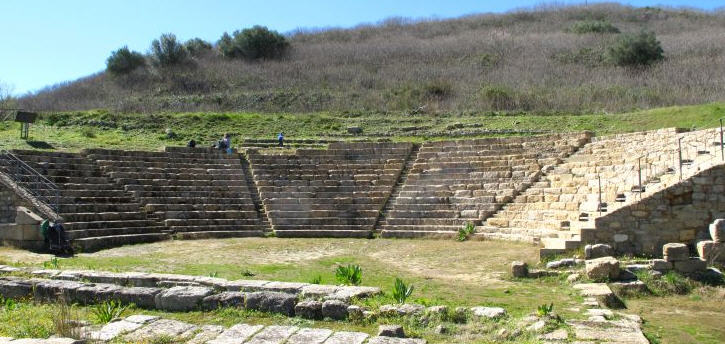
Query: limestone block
[[406, 309], [334, 309], [519, 269], [673, 252], [391, 331], [181, 299], [309, 336], [597, 251], [141, 297], [25, 216], [347, 338], [271, 302], [717, 230], [231, 299], [602, 269], [488, 312], [690, 265], [114, 329], [16, 289], [711, 251], [661, 265], [273, 335], [236, 334], [318, 290], [309, 310], [165, 328]]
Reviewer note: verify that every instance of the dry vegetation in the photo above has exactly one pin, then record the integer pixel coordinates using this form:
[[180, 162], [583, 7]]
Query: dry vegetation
[[522, 60]]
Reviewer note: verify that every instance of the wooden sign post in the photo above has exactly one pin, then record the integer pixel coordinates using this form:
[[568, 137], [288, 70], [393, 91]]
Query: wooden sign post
[[25, 118]]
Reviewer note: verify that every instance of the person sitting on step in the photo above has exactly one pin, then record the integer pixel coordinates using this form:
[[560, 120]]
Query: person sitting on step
[[280, 138]]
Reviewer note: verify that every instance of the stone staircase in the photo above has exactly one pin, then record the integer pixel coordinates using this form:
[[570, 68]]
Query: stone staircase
[[453, 183], [97, 212], [335, 192], [197, 192], [395, 193]]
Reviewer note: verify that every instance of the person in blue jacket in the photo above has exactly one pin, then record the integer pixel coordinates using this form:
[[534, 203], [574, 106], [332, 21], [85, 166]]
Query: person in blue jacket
[[280, 138]]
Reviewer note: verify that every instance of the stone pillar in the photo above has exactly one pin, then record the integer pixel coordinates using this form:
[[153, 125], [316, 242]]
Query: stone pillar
[[24, 233]]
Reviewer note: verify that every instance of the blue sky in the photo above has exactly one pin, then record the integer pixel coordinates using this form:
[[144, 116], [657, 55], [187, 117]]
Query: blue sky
[[44, 42]]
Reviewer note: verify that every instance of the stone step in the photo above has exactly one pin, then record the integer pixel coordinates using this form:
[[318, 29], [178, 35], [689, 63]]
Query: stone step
[[220, 214], [108, 216], [210, 222], [270, 207], [175, 176], [560, 244], [151, 208], [98, 243], [193, 200], [331, 213], [98, 207], [279, 222], [416, 234], [332, 232], [104, 232], [217, 234], [107, 224]]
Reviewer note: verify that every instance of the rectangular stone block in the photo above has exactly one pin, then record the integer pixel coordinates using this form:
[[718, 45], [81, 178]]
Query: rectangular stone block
[[690, 265], [711, 251], [673, 252], [661, 265], [347, 338]]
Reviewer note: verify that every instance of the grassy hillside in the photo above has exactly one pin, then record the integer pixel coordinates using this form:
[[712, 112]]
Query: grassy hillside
[[519, 61], [78, 130]]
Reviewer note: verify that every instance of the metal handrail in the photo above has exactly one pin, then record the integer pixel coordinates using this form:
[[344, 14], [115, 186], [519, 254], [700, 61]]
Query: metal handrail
[[35, 183]]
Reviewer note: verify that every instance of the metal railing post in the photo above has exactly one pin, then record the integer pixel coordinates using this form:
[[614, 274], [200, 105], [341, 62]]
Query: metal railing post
[[599, 206], [722, 151], [639, 167], [679, 150]]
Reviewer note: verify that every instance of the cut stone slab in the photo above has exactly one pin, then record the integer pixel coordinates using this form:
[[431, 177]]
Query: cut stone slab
[[236, 334], [273, 302], [348, 293], [661, 265], [405, 309], [608, 332], [273, 335], [488, 312], [315, 291], [555, 336], [206, 334], [391, 331], [162, 328], [285, 287], [690, 265], [334, 309], [47, 341], [711, 251], [246, 285], [114, 329], [391, 340], [717, 230], [602, 269], [347, 338], [674, 252], [224, 299], [519, 269], [310, 336], [597, 251], [140, 296], [309, 310], [142, 319], [602, 293], [181, 299]]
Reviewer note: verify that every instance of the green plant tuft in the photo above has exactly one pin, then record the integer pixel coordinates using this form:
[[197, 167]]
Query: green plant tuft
[[349, 275], [544, 310], [465, 232], [316, 280], [401, 291], [107, 311]]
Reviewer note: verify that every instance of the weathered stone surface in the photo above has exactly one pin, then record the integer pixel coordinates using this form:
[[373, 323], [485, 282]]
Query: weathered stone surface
[[246, 285], [309, 310], [114, 329], [559, 335], [405, 309], [636, 287], [691, 265], [390, 340], [181, 299], [233, 299], [711, 251], [334, 309], [574, 277], [47, 341], [355, 312], [347, 338], [436, 310], [717, 230], [597, 251], [309, 336], [236, 334], [206, 334], [347, 293], [391, 331], [141, 297], [162, 328], [95, 293], [273, 335], [271, 302], [25, 216], [15, 288], [624, 331], [602, 269], [315, 291], [52, 290], [488, 312], [142, 319], [674, 252], [566, 262], [285, 287], [661, 265], [601, 293], [519, 269]]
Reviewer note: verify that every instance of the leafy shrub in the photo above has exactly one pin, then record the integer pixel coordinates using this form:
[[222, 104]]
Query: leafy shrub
[[107, 311], [7, 304], [253, 43], [401, 291], [640, 49], [466, 231], [197, 46], [124, 61], [544, 310], [349, 275], [167, 51], [592, 26]]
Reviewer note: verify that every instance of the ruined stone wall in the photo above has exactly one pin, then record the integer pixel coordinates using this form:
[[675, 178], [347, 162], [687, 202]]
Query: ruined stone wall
[[680, 213], [7, 205]]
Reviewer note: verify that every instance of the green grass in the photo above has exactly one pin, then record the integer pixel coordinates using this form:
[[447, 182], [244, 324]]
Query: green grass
[[73, 131]]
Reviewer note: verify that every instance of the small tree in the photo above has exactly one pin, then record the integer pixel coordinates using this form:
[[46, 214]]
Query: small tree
[[253, 43], [197, 46], [124, 61], [640, 49], [167, 51]]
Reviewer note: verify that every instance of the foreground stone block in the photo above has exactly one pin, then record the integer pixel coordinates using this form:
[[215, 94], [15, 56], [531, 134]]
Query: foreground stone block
[[691, 265], [348, 293], [602, 269], [162, 328], [405, 309], [141, 297], [309, 310], [717, 230], [390, 340], [273, 335], [181, 299], [661, 265], [519, 269], [597, 251], [114, 329], [711, 251], [674, 252], [236, 334], [15, 289], [347, 338], [334, 309], [207, 333], [391, 331], [488, 312], [309, 336], [271, 302], [232, 299], [601, 293]]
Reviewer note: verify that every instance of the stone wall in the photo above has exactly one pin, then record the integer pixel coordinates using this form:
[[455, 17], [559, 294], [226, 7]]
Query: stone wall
[[18, 222], [680, 213], [7, 205]]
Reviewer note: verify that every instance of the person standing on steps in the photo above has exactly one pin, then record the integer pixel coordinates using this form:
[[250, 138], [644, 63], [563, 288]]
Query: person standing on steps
[[280, 138], [227, 140]]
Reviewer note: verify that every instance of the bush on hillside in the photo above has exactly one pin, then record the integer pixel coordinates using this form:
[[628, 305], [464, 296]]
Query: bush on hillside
[[640, 49], [197, 46], [592, 26], [253, 43], [124, 61], [167, 51]]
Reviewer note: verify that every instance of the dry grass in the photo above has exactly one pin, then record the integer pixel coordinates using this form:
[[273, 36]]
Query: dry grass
[[527, 57]]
